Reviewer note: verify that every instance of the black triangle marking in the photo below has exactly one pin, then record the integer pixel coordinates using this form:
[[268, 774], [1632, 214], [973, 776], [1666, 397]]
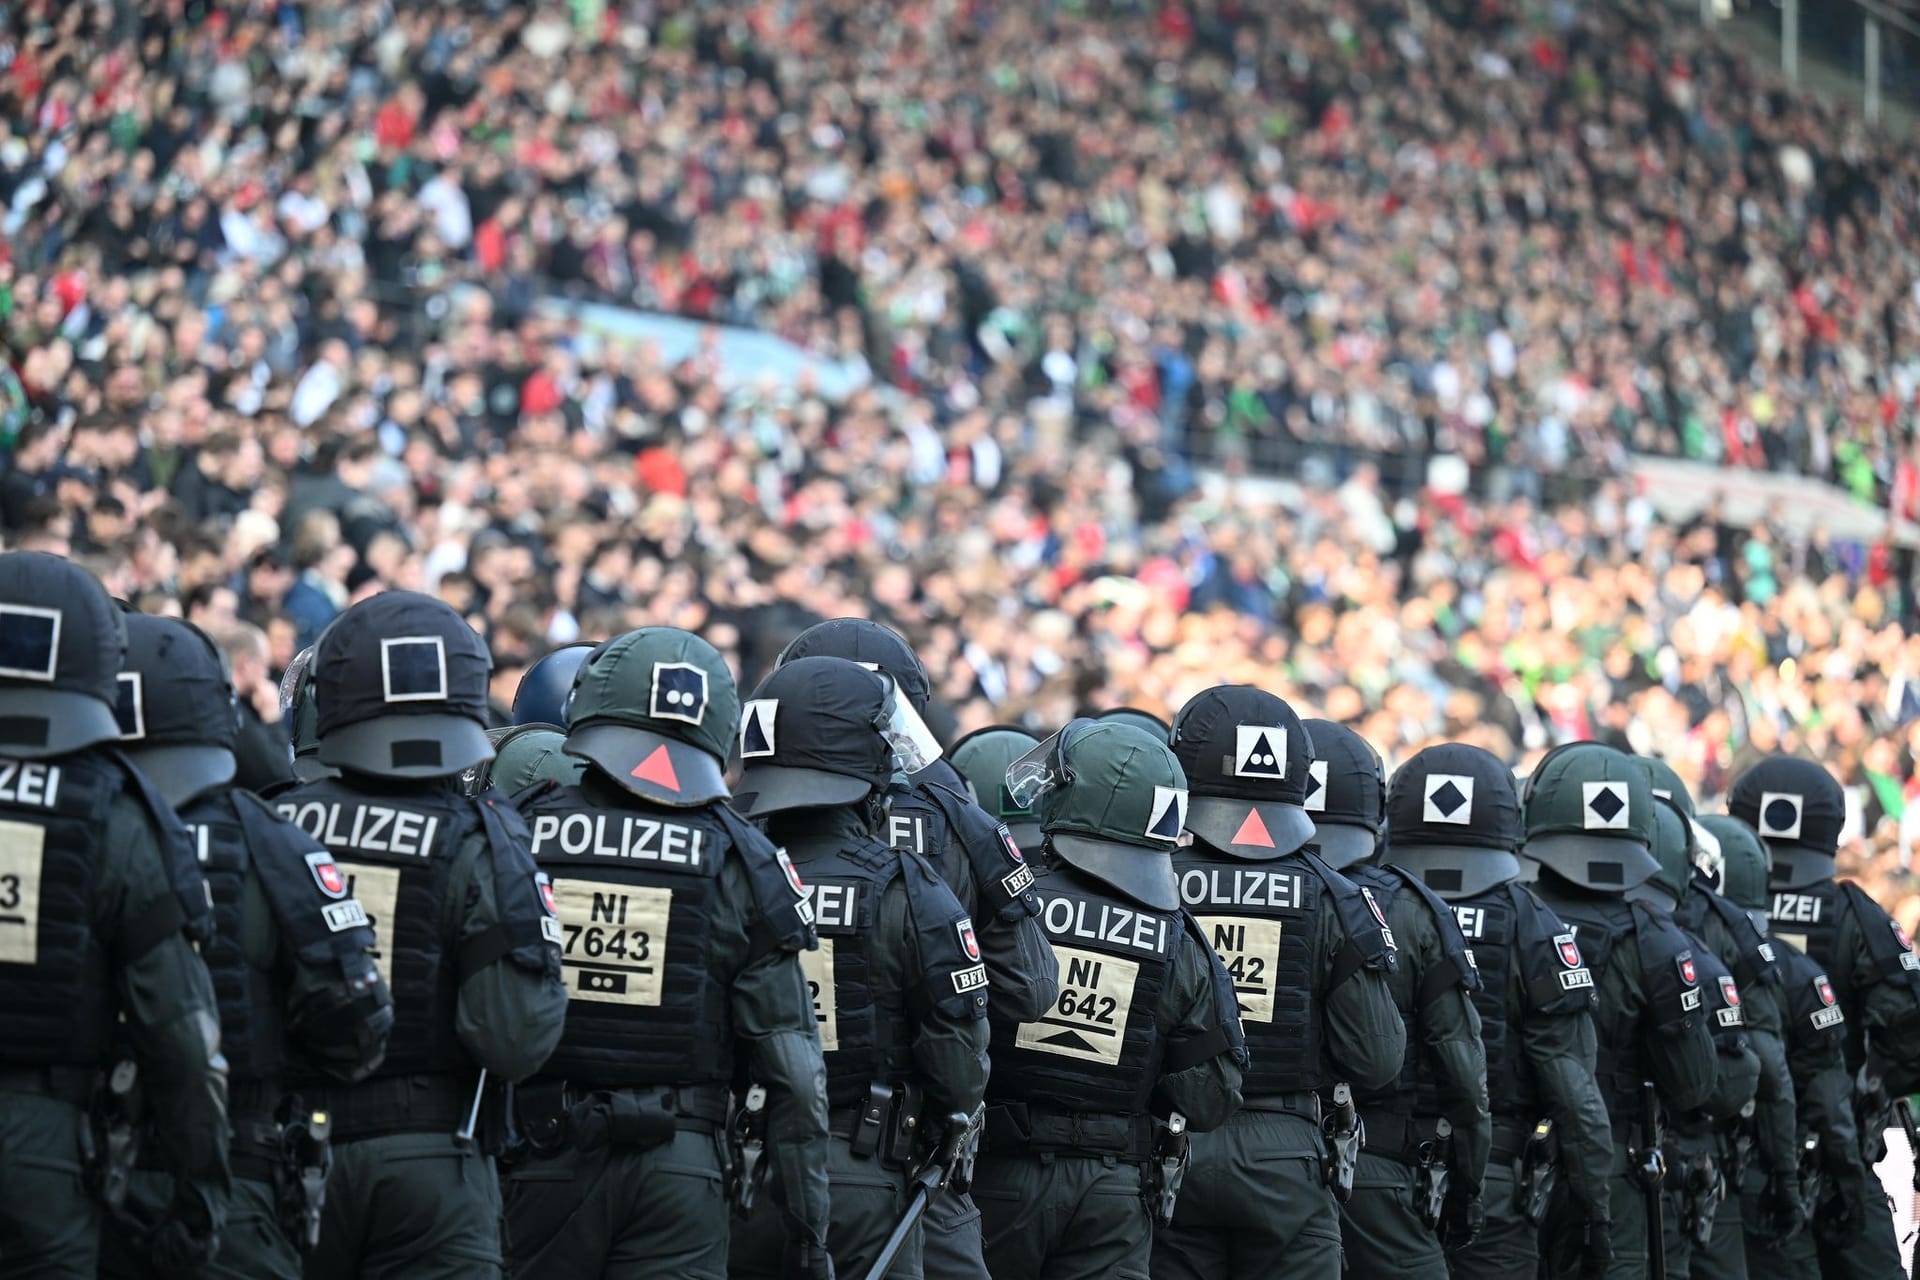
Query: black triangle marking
[[1168, 826], [754, 738], [1070, 1040]]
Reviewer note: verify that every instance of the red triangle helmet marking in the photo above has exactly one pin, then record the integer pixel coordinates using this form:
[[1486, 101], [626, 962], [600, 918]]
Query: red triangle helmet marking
[[658, 769], [1253, 831]]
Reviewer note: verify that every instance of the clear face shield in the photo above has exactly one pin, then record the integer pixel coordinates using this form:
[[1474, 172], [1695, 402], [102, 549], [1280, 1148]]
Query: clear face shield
[[1707, 856], [1042, 769], [291, 681], [907, 735]]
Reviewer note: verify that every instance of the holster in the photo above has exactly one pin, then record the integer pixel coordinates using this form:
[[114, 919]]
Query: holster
[[541, 1114], [747, 1149], [1167, 1170], [1539, 1170], [1430, 1180], [1346, 1135], [111, 1141], [300, 1177], [1705, 1188]]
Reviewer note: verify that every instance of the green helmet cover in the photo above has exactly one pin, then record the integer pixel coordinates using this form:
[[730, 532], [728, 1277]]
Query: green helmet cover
[[1589, 814], [1121, 810], [656, 710]]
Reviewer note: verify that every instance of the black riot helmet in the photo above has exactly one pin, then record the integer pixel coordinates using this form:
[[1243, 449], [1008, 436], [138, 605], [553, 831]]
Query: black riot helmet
[[1797, 810], [62, 640], [868, 644], [1247, 760], [822, 732], [400, 680], [1453, 819], [1346, 794], [178, 718], [541, 696]]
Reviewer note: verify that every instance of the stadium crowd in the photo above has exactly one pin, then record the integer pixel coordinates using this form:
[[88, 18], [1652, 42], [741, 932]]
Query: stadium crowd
[[273, 299]]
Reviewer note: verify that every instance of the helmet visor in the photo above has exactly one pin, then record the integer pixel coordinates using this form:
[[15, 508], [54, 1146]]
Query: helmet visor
[[1041, 769], [290, 682], [912, 743]]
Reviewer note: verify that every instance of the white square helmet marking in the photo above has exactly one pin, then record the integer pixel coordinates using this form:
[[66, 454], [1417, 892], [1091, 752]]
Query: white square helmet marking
[[1316, 801], [131, 709], [1168, 817], [756, 728], [1781, 813], [413, 669], [29, 642], [1259, 751], [1606, 806], [679, 692], [1447, 797]]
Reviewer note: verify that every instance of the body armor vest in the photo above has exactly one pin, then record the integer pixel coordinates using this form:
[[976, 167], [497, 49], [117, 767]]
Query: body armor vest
[[55, 983], [1260, 919], [1413, 1088], [396, 851], [637, 888], [865, 1033], [1509, 929], [1098, 1049], [1603, 926], [1809, 919]]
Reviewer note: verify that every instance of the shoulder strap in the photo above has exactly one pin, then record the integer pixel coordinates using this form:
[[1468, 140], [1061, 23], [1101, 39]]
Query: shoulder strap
[[528, 931], [786, 913], [1226, 1005], [1459, 970], [1667, 967], [298, 885], [1887, 942], [1369, 940], [998, 865], [1552, 967], [176, 850], [1754, 965]]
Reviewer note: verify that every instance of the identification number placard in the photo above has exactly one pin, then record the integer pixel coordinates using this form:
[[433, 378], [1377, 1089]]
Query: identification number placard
[[1089, 1020], [378, 889], [613, 940], [21, 847], [1250, 948], [818, 967]]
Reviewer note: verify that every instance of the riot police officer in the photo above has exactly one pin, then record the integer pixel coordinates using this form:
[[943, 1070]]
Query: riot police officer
[[541, 696], [1309, 956], [982, 759], [899, 993], [1074, 1169], [1756, 1147], [1590, 823], [466, 939], [1695, 1187], [1797, 810], [291, 957], [1416, 1191], [100, 903], [1453, 819], [985, 868], [681, 928], [1826, 1173]]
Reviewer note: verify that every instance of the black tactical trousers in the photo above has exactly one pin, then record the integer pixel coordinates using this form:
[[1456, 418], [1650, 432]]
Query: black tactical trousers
[[49, 1225], [1508, 1245], [868, 1200], [1254, 1192], [1063, 1218], [953, 1244], [1380, 1226], [601, 1211]]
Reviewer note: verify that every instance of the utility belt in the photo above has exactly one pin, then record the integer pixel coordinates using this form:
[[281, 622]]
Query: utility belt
[[66, 1084], [1306, 1105], [1510, 1140], [1399, 1136], [1018, 1128], [552, 1114], [388, 1105], [886, 1128]]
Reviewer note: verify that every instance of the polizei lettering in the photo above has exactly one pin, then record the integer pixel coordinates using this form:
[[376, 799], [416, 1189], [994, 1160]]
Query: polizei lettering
[[1796, 908], [1106, 922], [1240, 887], [603, 835], [29, 782], [367, 828]]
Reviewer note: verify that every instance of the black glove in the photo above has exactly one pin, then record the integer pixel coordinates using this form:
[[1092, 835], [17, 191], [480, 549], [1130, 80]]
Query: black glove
[[1782, 1212], [1596, 1249], [1461, 1217], [175, 1249], [806, 1260]]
